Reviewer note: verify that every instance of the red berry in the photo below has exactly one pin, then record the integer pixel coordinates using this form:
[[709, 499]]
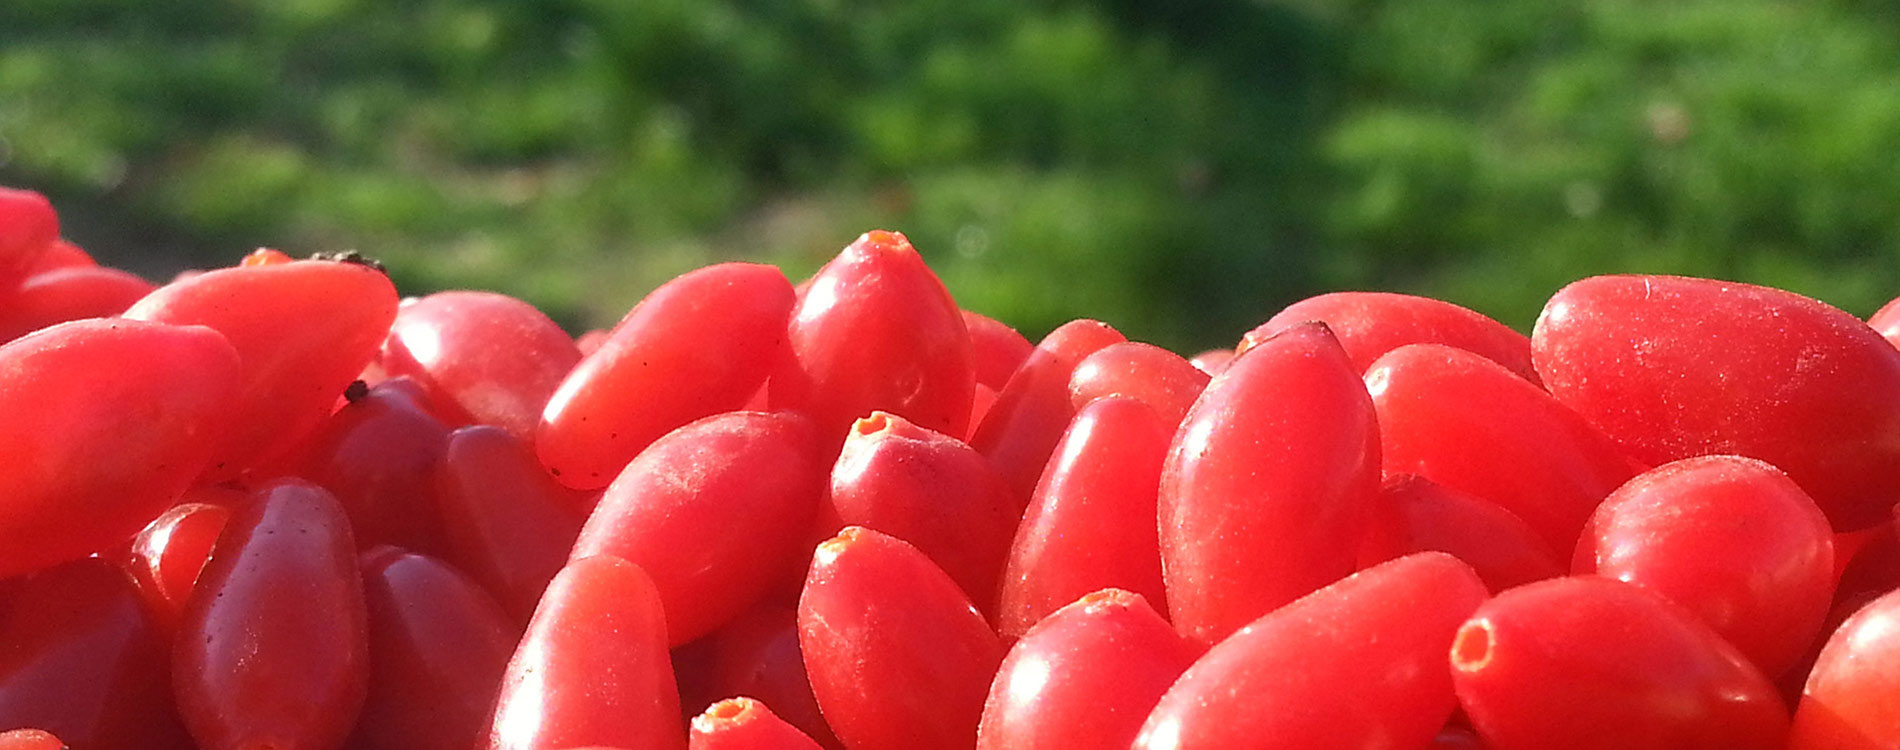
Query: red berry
[[1674, 367], [1085, 677], [699, 345], [930, 490], [1731, 539], [437, 645], [1594, 663], [898, 656], [593, 667], [745, 724], [303, 331], [482, 357], [96, 447], [1263, 497], [877, 331], [1360, 664], [715, 512], [1092, 523], [1848, 702], [273, 649]]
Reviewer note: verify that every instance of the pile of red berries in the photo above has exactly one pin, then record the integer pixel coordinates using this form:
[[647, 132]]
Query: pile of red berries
[[274, 507]]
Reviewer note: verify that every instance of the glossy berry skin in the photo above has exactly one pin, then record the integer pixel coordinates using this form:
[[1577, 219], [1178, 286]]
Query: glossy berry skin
[[590, 340], [1848, 702], [83, 660], [168, 555], [505, 522], [437, 645], [996, 350], [95, 448], [1731, 539], [1357, 664], [1085, 677], [898, 656], [1212, 361], [378, 455], [1145, 372], [1369, 324], [30, 739], [593, 667], [1590, 662], [1886, 321], [482, 357], [28, 226], [60, 295], [1415, 514], [61, 254], [1092, 523], [930, 490], [877, 331], [1676, 367], [1021, 429], [757, 656], [1264, 497], [273, 650], [303, 331], [715, 512], [1469, 424], [744, 724], [699, 345]]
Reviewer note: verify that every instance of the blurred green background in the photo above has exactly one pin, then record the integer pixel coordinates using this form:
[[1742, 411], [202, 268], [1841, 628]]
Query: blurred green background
[[1178, 169]]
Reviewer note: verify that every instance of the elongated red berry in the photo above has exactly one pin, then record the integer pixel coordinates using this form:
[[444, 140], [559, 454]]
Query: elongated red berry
[[593, 667], [699, 345], [378, 456], [303, 331], [757, 656], [1731, 539], [1676, 367], [60, 295], [1360, 664], [1415, 514], [437, 645], [1369, 324], [1092, 523], [96, 447], [1145, 372], [1590, 662], [898, 656], [84, 660], [930, 490], [30, 739], [877, 331], [715, 512], [483, 357], [1469, 424], [1085, 677], [1021, 429], [505, 522], [273, 650], [1268, 485]]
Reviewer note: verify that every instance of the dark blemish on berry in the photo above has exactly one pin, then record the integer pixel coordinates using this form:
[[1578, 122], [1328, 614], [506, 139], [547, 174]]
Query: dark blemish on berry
[[354, 258]]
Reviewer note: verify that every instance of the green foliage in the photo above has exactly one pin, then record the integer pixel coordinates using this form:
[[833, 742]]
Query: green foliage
[[1180, 170]]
